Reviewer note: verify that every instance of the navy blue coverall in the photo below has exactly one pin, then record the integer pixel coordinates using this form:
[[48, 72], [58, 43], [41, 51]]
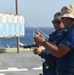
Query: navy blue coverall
[[49, 66], [65, 64]]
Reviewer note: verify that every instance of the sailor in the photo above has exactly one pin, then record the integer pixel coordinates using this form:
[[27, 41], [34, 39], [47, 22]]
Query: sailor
[[65, 50], [49, 66]]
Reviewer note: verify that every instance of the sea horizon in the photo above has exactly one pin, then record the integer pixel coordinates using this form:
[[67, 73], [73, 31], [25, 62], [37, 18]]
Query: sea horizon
[[27, 39]]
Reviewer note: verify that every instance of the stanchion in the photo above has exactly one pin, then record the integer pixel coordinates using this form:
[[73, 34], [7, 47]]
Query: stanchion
[[18, 39]]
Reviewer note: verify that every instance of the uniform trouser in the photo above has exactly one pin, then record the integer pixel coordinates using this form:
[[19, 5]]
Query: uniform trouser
[[65, 72], [47, 70]]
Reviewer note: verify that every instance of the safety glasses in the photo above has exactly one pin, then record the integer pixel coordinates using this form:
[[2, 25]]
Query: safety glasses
[[56, 22]]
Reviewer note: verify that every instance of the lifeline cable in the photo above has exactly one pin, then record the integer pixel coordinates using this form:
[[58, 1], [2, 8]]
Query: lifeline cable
[[37, 28]]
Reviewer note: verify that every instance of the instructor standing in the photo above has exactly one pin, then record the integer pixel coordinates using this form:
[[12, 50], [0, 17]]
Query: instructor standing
[[65, 50]]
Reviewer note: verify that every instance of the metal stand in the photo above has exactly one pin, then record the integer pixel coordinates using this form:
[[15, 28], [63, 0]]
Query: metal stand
[[18, 39]]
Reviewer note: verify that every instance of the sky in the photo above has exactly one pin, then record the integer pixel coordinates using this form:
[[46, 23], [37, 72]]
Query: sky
[[37, 13]]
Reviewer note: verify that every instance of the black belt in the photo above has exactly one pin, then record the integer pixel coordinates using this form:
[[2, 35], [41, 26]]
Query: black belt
[[66, 71]]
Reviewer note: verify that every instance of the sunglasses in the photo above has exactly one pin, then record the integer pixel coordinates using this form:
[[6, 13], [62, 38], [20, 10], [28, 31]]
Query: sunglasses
[[56, 22]]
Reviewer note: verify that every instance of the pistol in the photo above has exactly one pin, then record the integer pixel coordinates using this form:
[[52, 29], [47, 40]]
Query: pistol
[[29, 46]]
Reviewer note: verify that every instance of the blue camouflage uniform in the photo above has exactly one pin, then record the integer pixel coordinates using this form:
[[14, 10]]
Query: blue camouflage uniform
[[65, 64], [49, 65]]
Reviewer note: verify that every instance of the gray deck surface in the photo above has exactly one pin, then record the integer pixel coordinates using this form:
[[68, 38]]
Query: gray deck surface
[[23, 63]]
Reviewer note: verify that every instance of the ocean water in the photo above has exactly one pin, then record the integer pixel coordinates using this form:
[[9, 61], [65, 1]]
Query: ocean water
[[27, 39]]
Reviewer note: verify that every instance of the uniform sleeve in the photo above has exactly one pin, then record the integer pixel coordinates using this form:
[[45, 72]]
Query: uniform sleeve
[[44, 54], [69, 39]]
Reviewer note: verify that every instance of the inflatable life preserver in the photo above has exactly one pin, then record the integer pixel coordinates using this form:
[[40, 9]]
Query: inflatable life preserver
[[11, 25]]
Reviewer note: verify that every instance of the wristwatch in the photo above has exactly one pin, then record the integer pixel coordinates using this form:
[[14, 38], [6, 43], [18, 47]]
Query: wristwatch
[[44, 42]]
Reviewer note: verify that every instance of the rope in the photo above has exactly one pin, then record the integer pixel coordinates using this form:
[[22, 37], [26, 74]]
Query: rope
[[37, 28]]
